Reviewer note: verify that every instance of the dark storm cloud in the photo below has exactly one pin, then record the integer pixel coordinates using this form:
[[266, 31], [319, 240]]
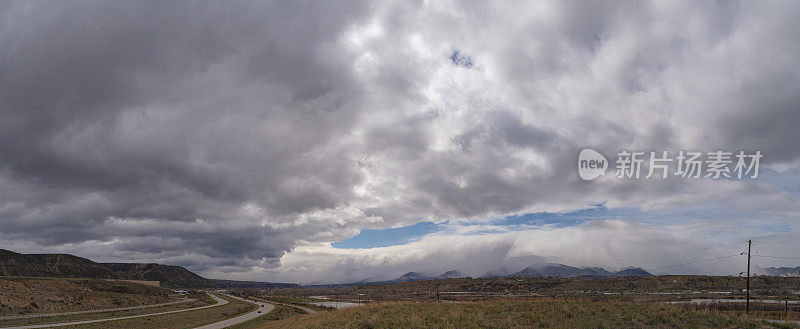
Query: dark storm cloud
[[175, 111], [773, 128]]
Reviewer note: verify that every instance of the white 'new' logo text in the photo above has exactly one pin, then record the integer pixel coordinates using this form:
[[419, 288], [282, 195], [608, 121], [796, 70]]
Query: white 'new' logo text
[[591, 164]]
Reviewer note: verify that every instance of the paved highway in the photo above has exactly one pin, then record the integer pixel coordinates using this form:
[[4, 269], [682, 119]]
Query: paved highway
[[304, 309], [263, 309]]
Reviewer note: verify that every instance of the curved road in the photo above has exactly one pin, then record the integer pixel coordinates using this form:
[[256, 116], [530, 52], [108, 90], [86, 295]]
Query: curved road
[[304, 309], [263, 308], [220, 302]]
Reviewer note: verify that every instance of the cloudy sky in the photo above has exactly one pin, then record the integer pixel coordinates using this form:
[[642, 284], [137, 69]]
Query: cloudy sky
[[336, 141]]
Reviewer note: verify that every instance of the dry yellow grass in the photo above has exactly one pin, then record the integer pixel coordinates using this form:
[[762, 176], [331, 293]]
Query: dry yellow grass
[[550, 313]]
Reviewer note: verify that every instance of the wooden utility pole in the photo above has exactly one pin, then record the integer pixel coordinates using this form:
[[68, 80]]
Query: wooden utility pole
[[437, 291], [747, 307], [786, 311]]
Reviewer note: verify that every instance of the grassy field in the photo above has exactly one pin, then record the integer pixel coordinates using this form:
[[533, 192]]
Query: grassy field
[[201, 299], [181, 320], [29, 295], [541, 313]]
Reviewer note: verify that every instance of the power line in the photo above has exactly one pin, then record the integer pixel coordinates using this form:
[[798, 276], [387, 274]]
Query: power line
[[759, 268], [762, 261], [781, 257], [628, 262], [760, 257], [698, 261]]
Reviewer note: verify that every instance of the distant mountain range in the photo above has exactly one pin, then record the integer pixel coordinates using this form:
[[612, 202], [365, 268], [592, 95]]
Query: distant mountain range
[[503, 272], [451, 275], [564, 271], [783, 271], [541, 270], [411, 276], [69, 266]]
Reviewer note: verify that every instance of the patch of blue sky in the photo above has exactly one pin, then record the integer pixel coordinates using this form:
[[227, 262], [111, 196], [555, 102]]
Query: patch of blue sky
[[788, 181], [697, 214], [548, 220], [562, 219], [772, 228], [372, 238], [460, 59], [686, 214]]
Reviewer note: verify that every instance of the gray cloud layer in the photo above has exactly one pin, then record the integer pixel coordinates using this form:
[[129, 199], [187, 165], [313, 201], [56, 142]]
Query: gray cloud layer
[[222, 135]]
